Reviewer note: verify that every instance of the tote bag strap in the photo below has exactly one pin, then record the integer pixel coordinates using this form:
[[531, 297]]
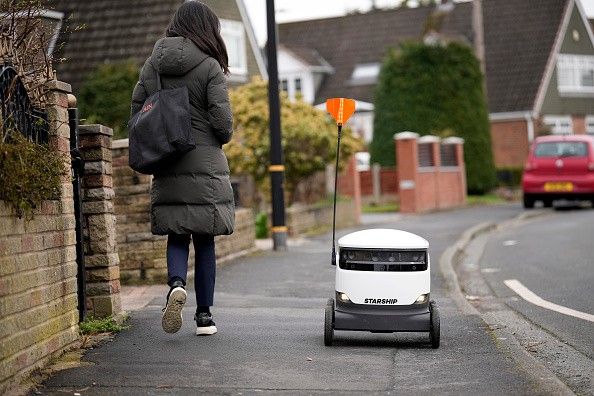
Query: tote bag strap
[[159, 83]]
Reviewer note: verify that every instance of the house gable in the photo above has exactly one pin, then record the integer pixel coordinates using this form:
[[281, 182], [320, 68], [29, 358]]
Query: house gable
[[576, 43], [519, 38]]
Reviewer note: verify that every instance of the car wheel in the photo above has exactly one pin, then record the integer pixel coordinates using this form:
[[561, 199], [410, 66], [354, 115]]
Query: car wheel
[[547, 203], [528, 202], [329, 323], [434, 331]]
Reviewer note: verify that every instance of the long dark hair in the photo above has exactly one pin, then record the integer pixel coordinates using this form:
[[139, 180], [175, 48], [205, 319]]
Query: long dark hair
[[195, 21]]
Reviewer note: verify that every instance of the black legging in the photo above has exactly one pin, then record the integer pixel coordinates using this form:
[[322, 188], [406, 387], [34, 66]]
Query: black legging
[[178, 250]]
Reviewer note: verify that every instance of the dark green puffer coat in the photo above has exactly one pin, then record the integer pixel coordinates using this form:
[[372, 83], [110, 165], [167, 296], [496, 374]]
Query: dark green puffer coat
[[192, 193]]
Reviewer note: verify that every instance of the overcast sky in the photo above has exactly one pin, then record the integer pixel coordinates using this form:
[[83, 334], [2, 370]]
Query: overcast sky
[[292, 10]]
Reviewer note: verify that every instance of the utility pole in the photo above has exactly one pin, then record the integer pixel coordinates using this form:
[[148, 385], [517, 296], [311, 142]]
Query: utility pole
[[276, 169]]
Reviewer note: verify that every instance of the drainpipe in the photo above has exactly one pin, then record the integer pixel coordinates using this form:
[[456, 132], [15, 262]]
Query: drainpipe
[[530, 124]]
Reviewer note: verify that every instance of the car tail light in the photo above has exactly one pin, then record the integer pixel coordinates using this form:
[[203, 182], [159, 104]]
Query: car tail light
[[591, 166]]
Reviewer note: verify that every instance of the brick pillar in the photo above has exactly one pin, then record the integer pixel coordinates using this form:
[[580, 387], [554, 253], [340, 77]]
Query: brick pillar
[[101, 257], [435, 142], [462, 165], [461, 186], [407, 162]]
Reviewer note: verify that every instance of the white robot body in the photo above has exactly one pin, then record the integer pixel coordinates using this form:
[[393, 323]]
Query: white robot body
[[389, 267]]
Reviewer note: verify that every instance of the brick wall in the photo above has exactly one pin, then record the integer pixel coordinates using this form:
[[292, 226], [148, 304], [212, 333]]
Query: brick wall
[[388, 178], [510, 143], [432, 187], [303, 219], [142, 255], [38, 300]]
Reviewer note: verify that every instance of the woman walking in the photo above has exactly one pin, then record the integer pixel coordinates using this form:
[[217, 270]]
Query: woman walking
[[191, 196]]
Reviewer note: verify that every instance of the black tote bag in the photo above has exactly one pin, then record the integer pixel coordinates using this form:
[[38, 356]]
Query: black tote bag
[[161, 129]]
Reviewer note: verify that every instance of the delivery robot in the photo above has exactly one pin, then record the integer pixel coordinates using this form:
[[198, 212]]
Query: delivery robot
[[383, 282], [383, 285]]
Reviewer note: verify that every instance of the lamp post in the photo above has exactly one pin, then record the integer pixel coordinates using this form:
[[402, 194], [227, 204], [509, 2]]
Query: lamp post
[[276, 169]]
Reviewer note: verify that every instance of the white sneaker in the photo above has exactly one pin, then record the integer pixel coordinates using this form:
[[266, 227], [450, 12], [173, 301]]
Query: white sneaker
[[172, 313], [204, 324]]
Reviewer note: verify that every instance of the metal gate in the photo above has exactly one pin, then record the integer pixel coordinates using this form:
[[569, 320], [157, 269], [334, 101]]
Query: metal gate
[[18, 113]]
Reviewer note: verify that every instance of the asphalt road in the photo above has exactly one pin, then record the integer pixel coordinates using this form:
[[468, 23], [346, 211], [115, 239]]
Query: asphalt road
[[269, 311], [552, 256]]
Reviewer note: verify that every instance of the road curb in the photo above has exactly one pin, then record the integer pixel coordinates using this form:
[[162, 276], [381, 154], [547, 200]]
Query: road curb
[[446, 264], [544, 379]]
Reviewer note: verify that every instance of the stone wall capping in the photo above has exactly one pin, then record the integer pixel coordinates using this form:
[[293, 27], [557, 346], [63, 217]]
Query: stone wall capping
[[95, 129], [429, 139], [453, 140], [406, 135], [120, 144], [59, 86]]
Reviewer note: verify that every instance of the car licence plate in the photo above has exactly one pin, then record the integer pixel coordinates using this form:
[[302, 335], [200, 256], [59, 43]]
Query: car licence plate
[[558, 186]]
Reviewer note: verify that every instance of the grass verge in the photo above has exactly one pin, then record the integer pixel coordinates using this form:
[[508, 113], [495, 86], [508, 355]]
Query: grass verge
[[487, 199], [383, 208]]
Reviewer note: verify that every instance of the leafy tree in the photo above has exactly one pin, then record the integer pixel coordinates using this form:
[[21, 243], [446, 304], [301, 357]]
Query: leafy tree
[[309, 137], [435, 90], [106, 95]]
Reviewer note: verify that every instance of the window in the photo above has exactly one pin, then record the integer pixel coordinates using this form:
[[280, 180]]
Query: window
[[575, 74], [234, 36], [561, 149], [365, 74], [284, 85], [297, 85], [590, 125], [559, 125]]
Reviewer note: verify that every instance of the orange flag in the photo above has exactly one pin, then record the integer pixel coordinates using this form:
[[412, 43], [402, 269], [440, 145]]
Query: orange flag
[[340, 109]]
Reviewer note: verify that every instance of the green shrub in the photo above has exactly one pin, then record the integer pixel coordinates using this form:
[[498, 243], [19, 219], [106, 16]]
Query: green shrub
[[435, 90], [31, 173], [106, 95], [261, 225], [309, 138]]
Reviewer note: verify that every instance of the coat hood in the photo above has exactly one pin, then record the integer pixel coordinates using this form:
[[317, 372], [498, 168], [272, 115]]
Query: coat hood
[[176, 56]]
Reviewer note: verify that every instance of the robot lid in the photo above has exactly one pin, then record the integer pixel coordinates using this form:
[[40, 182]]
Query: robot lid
[[383, 239]]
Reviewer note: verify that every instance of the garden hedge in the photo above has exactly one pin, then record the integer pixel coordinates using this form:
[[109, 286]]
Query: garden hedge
[[435, 90]]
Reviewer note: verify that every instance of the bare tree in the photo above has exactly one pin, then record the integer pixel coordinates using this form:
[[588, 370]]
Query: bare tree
[[24, 40]]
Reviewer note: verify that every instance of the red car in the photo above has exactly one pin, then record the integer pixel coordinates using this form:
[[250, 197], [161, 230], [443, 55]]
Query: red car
[[559, 167]]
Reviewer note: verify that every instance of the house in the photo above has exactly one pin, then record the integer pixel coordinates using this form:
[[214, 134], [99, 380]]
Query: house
[[106, 31], [537, 56]]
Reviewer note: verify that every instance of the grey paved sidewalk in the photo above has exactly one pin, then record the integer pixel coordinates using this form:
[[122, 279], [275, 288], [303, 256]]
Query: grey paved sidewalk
[[269, 311]]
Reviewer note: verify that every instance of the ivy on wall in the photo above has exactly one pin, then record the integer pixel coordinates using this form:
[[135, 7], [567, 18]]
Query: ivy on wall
[[31, 173]]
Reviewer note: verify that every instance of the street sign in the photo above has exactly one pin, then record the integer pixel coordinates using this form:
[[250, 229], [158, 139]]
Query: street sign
[[340, 109]]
